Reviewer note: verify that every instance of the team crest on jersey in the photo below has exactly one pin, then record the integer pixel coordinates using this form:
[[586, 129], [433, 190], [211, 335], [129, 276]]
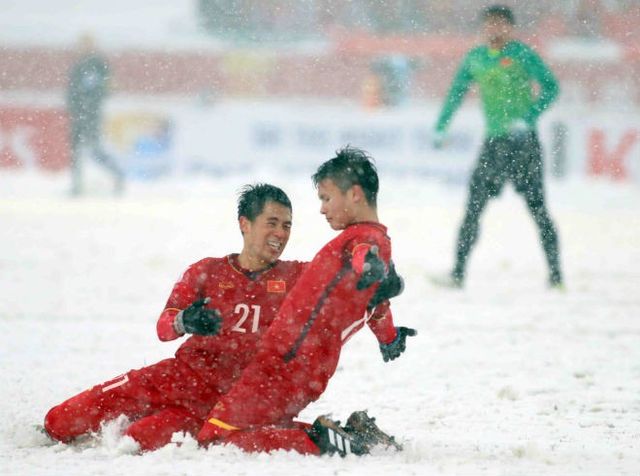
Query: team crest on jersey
[[276, 286], [225, 285]]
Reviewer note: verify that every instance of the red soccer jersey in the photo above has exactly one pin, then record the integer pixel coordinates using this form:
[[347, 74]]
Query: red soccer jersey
[[247, 301], [299, 352]]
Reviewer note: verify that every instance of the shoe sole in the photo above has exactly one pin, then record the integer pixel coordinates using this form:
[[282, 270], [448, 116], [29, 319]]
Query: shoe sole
[[362, 423]]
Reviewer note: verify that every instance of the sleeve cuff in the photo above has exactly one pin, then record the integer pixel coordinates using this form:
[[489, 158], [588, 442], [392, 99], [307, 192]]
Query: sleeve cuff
[[178, 324]]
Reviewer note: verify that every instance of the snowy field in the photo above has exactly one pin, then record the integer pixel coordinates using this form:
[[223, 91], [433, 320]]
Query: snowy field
[[506, 377]]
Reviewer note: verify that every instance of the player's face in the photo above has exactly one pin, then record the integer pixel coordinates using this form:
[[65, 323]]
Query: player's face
[[266, 237], [337, 206], [497, 29]]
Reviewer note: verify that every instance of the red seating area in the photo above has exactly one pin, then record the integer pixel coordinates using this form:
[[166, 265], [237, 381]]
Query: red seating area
[[339, 72]]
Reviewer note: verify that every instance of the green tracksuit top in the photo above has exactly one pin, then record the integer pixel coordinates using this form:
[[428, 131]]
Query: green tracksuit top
[[505, 81]]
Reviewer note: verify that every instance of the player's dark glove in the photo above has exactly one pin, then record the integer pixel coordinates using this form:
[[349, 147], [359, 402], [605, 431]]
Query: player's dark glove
[[373, 269], [394, 349], [196, 319], [391, 286]]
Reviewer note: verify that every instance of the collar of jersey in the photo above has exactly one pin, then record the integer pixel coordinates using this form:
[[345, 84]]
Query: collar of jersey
[[368, 223], [232, 259]]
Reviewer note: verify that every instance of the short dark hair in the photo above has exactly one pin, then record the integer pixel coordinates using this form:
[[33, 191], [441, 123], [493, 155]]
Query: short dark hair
[[252, 199], [351, 166], [501, 11]]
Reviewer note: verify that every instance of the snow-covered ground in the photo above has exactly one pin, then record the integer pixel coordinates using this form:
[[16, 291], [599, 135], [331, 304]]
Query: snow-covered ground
[[505, 377]]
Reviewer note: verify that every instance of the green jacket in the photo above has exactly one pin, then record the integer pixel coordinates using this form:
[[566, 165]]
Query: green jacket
[[505, 80]]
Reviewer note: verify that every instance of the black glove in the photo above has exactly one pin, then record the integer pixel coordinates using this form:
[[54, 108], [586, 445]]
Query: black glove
[[394, 349], [391, 286], [372, 271], [196, 319]]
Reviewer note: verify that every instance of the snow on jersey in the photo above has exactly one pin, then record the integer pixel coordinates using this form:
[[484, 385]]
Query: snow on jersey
[[299, 352], [247, 301]]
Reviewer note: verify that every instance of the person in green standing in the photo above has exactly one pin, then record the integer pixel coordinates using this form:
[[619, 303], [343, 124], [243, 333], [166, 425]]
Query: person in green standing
[[504, 70]]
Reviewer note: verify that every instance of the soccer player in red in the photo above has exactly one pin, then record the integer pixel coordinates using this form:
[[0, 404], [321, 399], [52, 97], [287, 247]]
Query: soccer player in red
[[331, 301], [225, 305]]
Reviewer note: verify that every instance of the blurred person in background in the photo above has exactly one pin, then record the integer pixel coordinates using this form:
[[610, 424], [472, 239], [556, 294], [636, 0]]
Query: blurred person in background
[[87, 88], [505, 70]]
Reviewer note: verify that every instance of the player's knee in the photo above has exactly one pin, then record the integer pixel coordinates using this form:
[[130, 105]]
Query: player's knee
[[155, 431], [148, 437], [206, 435]]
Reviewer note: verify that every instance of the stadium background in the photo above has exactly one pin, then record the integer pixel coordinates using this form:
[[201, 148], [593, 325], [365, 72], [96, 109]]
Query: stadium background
[[505, 377], [219, 86]]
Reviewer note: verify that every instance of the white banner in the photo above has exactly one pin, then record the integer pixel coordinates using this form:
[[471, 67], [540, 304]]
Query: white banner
[[297, 138], [237, 136], [159, 138]]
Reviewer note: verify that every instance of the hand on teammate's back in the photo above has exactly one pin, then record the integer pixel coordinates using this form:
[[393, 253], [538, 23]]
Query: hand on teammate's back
[[391, 286], [373, 269]]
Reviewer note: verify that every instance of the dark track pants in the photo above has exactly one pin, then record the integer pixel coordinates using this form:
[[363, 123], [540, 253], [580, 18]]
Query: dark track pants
[[85, 135], [517, 159]]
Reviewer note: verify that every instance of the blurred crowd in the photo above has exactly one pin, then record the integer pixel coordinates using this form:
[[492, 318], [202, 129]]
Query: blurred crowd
[[290, 19], [382, 51]]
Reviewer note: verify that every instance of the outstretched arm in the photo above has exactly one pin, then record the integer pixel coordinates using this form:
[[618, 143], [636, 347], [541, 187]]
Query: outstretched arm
[[381, 323], [459, 87]]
